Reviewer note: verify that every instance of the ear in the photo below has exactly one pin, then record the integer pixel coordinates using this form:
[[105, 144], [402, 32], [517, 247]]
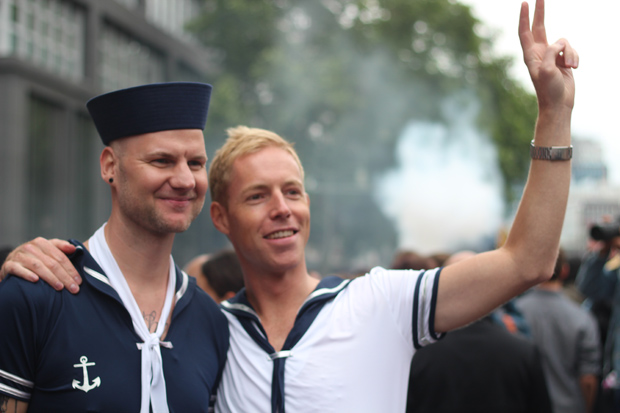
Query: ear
[[219, 216], [307, 198], [107, 162]]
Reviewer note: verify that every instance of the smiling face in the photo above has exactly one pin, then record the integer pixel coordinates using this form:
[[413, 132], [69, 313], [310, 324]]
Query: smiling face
[[160, 179], [267, 216]]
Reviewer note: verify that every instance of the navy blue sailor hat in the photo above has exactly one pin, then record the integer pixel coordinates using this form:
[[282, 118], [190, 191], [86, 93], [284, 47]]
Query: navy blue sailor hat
[[150, 108]]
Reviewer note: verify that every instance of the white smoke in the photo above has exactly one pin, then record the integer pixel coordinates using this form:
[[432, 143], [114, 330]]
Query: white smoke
[[446, 192]]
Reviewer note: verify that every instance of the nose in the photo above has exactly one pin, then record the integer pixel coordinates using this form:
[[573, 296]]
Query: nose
[[182, 177], [279, 206]]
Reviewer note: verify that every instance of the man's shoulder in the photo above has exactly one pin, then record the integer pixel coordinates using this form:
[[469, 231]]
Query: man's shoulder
[[496, 335], [535, 299], [576, 312], [199, 302], [13, 287], [204, 300]]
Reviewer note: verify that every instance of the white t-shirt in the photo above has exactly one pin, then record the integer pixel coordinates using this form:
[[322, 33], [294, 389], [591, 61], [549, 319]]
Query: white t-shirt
[[354, 357]]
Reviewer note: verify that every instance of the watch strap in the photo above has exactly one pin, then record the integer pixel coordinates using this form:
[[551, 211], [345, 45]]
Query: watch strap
[[551, 153]]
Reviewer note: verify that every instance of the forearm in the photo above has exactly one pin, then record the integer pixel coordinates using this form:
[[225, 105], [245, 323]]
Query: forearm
[[470, 289], [588, 384], [534, 239], [10, 405]]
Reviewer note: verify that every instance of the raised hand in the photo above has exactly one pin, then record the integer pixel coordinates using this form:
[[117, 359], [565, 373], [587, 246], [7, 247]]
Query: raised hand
[[550, 66]]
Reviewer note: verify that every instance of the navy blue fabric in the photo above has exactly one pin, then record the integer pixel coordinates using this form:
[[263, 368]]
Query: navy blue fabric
[[46, 333], [150, 108], [303, 321]]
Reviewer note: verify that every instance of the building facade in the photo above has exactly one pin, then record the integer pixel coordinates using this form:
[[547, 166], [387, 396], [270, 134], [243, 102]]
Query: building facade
[[54, 56]]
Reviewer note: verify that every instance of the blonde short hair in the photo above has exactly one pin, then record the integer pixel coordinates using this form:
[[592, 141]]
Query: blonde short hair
[[242, 141]]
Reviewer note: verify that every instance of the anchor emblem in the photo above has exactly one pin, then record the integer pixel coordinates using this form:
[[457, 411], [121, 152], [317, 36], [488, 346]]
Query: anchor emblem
[[85, 386]]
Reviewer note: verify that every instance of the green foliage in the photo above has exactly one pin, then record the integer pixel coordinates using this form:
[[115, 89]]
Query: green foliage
[[341, 79]]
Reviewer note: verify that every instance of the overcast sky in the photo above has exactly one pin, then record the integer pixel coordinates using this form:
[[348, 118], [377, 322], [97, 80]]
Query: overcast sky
[[591, 28]]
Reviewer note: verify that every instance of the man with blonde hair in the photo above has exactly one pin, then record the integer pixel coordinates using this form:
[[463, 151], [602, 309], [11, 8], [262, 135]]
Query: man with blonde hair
[[302, 344], [242, 140]]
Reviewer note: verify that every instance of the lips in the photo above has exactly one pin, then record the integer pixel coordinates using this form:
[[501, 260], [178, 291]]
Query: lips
[[179, 203], [178, 198], [281, 234]]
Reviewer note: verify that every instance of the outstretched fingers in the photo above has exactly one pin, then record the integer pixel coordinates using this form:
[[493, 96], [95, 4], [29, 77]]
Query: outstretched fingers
[[538, 26], [534, 38], [525, 34]]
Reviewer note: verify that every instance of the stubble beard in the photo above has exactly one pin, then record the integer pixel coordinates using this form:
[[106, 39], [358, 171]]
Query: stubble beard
[[149, 217]]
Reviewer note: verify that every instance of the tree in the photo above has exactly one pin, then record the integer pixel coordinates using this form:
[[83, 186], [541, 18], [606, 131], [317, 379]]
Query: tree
[[341, 78]]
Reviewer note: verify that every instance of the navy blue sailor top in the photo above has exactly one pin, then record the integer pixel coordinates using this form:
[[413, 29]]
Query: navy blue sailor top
[[78, 353]]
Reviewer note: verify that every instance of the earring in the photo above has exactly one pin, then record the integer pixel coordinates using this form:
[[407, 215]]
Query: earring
[[111, 180]]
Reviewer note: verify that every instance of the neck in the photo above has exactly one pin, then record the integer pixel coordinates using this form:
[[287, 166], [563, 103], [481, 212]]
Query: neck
[[143, 257], [277, 298], [144, 262], [290, 288]]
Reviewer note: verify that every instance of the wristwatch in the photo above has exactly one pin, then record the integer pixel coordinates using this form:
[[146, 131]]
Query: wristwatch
[[551, 153]]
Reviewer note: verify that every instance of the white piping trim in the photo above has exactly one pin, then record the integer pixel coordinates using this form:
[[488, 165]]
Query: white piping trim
[[16, 379], [237, 306], [14, 392], [183, 288], [323, 291], [98, 276]]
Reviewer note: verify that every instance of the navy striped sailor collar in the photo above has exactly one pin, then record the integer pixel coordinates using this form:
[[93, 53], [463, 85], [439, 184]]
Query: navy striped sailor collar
[[328, 288], [239, 306], [92, 273]]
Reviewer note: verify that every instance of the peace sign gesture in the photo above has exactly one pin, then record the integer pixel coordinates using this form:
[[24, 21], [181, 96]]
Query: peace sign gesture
[[550, 66]]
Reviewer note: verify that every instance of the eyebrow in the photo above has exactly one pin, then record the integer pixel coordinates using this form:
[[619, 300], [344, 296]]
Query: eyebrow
[[261, 186], [165, 154]]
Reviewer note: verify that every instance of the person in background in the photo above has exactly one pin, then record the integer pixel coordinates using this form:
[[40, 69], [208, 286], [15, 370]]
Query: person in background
[[597, 279], [411, 260], [194, 267], [219, 274], [568, 338], [479, 368]]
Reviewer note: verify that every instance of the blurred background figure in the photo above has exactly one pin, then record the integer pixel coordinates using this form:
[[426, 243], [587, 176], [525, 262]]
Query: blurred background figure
[[458, 256], [194, 266], [479, 368], [568, 339], [411, 260], [219, 275], [597, 279]]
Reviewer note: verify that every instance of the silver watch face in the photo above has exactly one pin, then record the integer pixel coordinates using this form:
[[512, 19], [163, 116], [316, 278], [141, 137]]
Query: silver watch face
[[553, 153], [560, 153]]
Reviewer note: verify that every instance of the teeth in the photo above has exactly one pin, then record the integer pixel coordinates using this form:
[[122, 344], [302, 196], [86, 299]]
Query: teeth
[[280, 234]]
